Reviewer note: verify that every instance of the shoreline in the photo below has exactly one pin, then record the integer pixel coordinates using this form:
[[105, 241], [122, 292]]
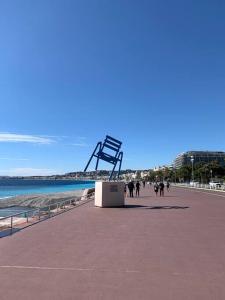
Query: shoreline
[[40, 200]]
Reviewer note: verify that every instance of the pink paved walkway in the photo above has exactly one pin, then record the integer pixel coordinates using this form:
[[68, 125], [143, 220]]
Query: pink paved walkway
[[170, 248]]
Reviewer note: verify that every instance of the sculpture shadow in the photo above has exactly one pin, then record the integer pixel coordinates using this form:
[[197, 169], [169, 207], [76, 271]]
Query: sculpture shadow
[[155, 206], [135, 206], [167, 207]]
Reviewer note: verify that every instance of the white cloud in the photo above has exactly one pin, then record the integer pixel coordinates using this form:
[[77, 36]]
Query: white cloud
[[10, 158], [18, 138], [79, 144], [29, 172]]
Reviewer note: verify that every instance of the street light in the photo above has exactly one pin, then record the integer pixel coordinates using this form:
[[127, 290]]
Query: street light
[[174, 167], [211, 174], [192, 162]]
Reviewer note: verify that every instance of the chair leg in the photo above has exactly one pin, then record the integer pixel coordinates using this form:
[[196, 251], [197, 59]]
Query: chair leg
[[120, 158], [113, 171], [93, 154]]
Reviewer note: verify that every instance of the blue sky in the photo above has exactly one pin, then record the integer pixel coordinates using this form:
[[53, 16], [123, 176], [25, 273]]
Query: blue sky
[[150, 73]]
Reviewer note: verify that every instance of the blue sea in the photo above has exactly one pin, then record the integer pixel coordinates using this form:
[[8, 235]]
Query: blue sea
[[15, 187]]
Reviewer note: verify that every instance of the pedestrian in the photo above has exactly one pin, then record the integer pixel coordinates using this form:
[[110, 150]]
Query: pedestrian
[[125, 190], [137, 188], [168, 186], [161, 189], [131, 188], [143, 182], [156, 188]]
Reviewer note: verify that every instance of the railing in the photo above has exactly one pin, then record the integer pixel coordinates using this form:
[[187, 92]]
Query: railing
[[26, 218], [201, 186]]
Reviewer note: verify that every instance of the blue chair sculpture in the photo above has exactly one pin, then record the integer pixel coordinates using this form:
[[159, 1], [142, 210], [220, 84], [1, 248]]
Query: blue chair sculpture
[[100, 153]]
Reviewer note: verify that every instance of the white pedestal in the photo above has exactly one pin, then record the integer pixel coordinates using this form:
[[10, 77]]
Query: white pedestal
[[109, 194]]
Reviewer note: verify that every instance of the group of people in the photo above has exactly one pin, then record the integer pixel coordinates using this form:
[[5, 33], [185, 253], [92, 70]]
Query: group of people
[[132, 187], [158, 187]]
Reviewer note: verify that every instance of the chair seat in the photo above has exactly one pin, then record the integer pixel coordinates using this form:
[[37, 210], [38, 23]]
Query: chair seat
[[106, 157]]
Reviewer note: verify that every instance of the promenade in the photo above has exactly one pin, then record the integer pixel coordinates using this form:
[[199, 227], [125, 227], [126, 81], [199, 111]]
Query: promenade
[[154, 248]]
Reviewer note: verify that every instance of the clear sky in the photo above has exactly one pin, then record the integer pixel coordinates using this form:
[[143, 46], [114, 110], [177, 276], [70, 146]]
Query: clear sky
[[150, 73]]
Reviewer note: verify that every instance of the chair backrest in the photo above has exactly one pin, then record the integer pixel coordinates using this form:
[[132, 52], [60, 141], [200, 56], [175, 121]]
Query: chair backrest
[[112, 144], [113, 156]]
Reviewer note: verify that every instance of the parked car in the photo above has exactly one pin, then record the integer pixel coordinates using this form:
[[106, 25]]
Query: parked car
[[214, 185]]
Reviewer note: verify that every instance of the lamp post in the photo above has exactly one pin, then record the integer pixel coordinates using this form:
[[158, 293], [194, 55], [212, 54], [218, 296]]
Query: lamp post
[[192, 162], [174, 167], [211, 174]]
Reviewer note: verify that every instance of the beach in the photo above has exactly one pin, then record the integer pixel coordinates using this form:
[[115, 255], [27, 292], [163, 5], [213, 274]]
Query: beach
[[40, 200]]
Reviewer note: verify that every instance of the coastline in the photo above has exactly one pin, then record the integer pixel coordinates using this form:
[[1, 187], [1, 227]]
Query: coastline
[[39, 200]]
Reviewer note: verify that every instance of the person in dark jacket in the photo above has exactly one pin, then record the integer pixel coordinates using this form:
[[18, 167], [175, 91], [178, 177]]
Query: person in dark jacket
[[168, 186], [137, 188], [125, 190], [156, 188], [161, 189], [131, 188]]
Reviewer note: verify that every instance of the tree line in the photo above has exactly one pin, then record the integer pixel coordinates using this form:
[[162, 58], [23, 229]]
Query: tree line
[[202, 172]]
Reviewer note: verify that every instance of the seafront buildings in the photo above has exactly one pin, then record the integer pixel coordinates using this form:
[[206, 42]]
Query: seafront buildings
[[186, 158]]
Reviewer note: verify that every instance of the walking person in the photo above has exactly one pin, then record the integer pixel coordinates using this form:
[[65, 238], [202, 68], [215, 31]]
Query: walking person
[[143, 182], [131, 188], [161, 189], [156, 188], [137, 188], [125, 190], [168, 186]]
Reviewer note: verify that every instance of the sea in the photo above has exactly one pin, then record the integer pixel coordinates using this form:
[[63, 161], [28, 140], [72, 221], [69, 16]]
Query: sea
[[15, 187]]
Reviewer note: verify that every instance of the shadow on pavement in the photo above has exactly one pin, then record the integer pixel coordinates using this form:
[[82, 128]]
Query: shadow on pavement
[[135, 206], [8, 232], [167, 207], [155, 207]]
